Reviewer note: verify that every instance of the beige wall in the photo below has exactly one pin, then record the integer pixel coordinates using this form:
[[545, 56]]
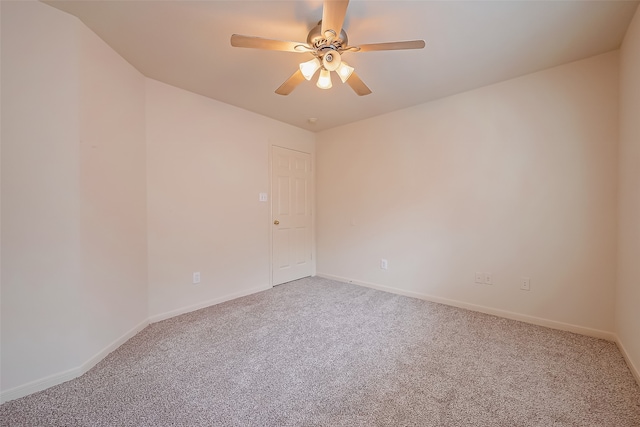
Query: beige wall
[[112, 194], [40, 206], [73, 196], [517, 179], [207, 164], [628, 297]]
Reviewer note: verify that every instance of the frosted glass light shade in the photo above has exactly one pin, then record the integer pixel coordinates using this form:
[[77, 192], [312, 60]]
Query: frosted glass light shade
[[344, 71], [331, 61], [324, 81], [309, 68]]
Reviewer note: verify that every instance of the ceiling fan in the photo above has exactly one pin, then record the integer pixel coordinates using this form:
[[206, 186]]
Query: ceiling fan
[[327, 42]]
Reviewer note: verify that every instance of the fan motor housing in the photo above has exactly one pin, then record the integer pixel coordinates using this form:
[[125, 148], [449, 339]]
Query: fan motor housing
[[318, 40]]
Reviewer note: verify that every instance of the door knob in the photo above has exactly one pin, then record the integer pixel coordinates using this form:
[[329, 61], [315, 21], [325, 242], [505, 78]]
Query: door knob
[[276, 222]]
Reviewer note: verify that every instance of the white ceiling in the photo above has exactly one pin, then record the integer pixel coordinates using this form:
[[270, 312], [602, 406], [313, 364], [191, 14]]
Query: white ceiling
[[469, 44]]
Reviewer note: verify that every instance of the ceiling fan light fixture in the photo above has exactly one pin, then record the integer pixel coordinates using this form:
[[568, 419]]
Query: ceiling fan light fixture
[[324, 81], [344, 71], [331, 60], [309, 68]]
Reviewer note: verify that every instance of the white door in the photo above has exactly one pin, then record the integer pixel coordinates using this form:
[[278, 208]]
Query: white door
[[291, 215]]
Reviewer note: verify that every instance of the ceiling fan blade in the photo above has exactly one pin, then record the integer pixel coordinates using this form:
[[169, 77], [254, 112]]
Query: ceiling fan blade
[[412, 44], [238, 40], [333, 13], [358, 85], [290, 84]]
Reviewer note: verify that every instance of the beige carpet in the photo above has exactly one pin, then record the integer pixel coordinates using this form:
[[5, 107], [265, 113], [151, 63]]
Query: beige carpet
[[321, 353]]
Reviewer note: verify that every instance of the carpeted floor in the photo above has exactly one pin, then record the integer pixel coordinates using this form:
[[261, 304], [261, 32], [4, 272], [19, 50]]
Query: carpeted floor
[[321, 353]]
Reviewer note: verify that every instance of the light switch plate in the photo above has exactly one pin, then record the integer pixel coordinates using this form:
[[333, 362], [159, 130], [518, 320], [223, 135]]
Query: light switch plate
[[488, 279]]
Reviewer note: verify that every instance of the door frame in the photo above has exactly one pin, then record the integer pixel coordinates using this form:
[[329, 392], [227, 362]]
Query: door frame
[[301, 147]]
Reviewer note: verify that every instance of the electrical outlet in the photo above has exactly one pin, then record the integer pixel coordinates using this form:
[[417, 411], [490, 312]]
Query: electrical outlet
[[488, 278], [196, 277], [384, 264], [479, 277], [525, 284]]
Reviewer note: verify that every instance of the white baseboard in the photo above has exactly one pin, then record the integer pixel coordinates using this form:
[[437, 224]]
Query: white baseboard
[[169, 314], [61, 377], [632, 367], [609, 336]]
